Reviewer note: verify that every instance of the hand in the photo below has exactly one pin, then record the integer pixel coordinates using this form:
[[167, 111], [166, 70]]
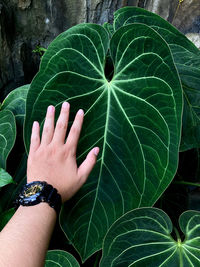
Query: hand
[[53, 160]]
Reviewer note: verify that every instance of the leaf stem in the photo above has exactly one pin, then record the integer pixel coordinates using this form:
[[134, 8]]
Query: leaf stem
[[186, 183], [177, 235], [179, 244], [179, 3], [96, 263]]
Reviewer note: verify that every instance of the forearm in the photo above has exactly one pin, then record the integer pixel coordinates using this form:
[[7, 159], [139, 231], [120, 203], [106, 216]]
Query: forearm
[[25, 239]]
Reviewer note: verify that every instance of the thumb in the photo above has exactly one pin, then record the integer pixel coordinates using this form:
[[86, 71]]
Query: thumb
[[88, 164]]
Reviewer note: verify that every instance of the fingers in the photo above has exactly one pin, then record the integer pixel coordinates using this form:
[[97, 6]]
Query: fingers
[[35, 137], [73, 137], [88, 164], [61, 125], [48, 129]]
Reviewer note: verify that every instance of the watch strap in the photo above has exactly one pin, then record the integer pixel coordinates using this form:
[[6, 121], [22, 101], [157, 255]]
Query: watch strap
[[49, 195], [52, 197]]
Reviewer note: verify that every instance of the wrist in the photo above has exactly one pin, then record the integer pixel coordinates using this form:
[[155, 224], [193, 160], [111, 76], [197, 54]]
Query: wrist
[[38, 192], [41, 209]]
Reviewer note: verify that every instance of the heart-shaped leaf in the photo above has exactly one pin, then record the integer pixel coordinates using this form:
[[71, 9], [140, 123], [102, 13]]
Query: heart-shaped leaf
[[187, 59], [142, 237], [62, 258], [15, 102], [7, 135], [135, 119]]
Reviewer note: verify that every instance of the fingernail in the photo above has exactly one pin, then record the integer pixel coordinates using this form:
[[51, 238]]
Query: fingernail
[[50, 109], [96, 151], [80, 112], [35, 124], [65, 105]]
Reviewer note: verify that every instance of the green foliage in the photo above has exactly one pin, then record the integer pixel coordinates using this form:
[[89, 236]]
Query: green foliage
[[187, 60], [16, 102], [7, 135], [39, 50], [142, 237], [130, 79], [14, 107], [5, 178], [60, 258], [141, 106], [109, 28]]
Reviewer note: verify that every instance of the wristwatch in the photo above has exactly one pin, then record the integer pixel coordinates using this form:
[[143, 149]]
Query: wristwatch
[[36, 192]]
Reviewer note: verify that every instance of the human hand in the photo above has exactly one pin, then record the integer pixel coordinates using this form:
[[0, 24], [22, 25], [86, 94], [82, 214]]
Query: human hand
[[53, 160]]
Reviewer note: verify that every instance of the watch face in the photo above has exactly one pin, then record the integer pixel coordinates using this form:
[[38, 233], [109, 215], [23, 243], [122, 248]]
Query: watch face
[[33, 189], [32, 193]]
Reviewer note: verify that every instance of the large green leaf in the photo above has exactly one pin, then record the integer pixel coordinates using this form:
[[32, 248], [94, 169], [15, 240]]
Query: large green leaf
[[135, 119], [60, 258], [7, 135], [142, 237], [188, 65], [15, 102], [187, 59]]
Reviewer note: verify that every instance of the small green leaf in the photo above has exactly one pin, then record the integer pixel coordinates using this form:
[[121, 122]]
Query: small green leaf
[[55, 258], [142, 237], [7, 135], [5, 178]]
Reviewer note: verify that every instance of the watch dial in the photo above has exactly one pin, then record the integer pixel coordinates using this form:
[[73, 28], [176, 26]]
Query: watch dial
[[32, 190]]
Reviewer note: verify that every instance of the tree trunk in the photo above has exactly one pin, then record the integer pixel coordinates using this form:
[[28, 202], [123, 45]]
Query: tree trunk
[[28, 24]]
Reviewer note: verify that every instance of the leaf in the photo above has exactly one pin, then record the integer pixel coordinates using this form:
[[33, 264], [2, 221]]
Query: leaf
[[5, 217], [5, 178], [135, 119], [188, 65], [173, 37], [142, 237], [15, 102], [60, 258], [7, 135], [109, 28], [187, 59], [8, 196]]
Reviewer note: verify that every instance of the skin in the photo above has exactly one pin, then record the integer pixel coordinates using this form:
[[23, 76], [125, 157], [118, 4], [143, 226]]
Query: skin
[[25, 239]]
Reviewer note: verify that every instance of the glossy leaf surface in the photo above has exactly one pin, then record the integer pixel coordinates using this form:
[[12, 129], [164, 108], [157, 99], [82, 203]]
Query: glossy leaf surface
[[187, 59], [5, 178], [15, 102], [188, 65], [142, 237], [135, 119], [7, 135], [55, 258]]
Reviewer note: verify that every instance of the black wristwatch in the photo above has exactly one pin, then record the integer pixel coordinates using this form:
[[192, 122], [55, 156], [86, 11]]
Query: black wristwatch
[[37, 192]]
